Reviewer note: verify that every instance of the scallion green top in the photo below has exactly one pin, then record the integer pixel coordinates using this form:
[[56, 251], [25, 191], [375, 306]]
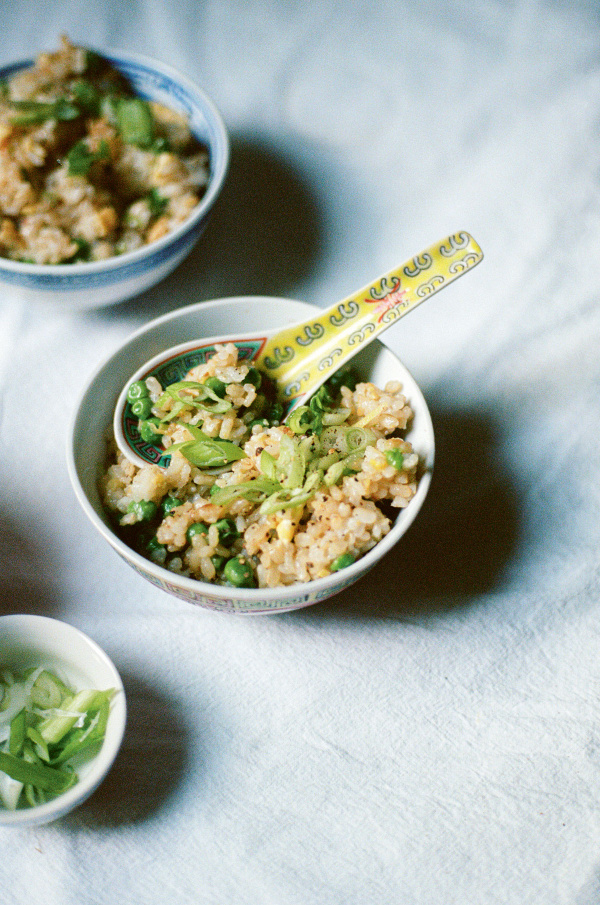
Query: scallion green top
[[44, 723]]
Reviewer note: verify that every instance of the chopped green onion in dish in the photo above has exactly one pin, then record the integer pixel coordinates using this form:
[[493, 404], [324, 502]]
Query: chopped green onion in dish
[[80, 158], [206, 452], [217, 386], [149, 430], [342, 562], [86, 97], [142, 408], [156, 202], [135, 122], [303, 419], [191, 394], [44, 725], [395, 457], [29, 113], [137, 390]]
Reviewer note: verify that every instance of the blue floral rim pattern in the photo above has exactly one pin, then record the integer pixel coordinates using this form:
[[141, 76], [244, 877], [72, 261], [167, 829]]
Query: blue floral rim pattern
[[127, 271]]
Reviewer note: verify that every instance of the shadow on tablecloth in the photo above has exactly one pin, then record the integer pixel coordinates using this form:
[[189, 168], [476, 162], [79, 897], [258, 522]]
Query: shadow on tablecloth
[[461, 543], [150, 767], [264, 238], [27, 584]]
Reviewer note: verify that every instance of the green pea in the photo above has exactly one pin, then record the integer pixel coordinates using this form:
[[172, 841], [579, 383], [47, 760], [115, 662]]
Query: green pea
[[144, 510], [142, 407], [147, 431], [345, 377], [156, 550], [276, 413], [169, 503], [137, 390], [254, 377], [217, 386], [342, 562], [262, 422], [227, 531], [259, 406], [395, 458], [218, 561], [196, 528], [160, 144], [238, 572]]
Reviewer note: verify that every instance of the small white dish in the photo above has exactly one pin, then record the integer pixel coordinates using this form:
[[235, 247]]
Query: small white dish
[[29, 640]]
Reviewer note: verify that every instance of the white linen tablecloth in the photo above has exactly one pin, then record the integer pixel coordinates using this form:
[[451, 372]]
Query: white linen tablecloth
[[432, 735]]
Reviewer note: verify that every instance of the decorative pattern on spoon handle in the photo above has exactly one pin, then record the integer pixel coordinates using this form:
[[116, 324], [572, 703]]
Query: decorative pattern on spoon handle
[[308, 356]]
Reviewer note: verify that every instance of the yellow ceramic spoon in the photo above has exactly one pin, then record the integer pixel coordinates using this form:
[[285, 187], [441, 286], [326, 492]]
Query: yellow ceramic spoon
[[300, 358]]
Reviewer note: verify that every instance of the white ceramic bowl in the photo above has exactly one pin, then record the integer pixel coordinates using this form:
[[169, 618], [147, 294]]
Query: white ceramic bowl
[[86, 446], [99, 283], [27, 641]]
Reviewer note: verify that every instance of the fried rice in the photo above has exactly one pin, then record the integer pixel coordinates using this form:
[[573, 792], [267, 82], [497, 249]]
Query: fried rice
[[88, 170], [298, 499]]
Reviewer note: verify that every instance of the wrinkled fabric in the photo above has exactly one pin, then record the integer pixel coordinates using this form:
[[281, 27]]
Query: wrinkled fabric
[[432, 734]]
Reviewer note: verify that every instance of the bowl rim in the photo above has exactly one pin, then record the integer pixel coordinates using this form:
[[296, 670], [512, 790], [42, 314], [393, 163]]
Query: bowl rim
[[104, 758], [202, 209], [317, 587]]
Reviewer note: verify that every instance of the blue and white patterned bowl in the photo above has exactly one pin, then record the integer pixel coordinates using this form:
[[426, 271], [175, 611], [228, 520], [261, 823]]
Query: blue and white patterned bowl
[[99, 283], [87, 446]]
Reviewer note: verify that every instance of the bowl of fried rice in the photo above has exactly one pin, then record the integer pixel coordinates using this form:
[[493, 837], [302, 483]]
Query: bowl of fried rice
[[110, 164], [246, 513]]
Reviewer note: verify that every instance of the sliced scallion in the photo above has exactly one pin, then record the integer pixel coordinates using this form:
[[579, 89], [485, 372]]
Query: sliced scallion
[[81, 158], [41, 748], [342, 562], [195, 395], [53, 729], [43, 777], [48, 690], [156, 202], [32, 112], [135, 121], [38, 739], [254, 491], [302, 419], [209, 453], [86, 97], [268, 465], [18, 726], [395, 457], [81, 739]]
